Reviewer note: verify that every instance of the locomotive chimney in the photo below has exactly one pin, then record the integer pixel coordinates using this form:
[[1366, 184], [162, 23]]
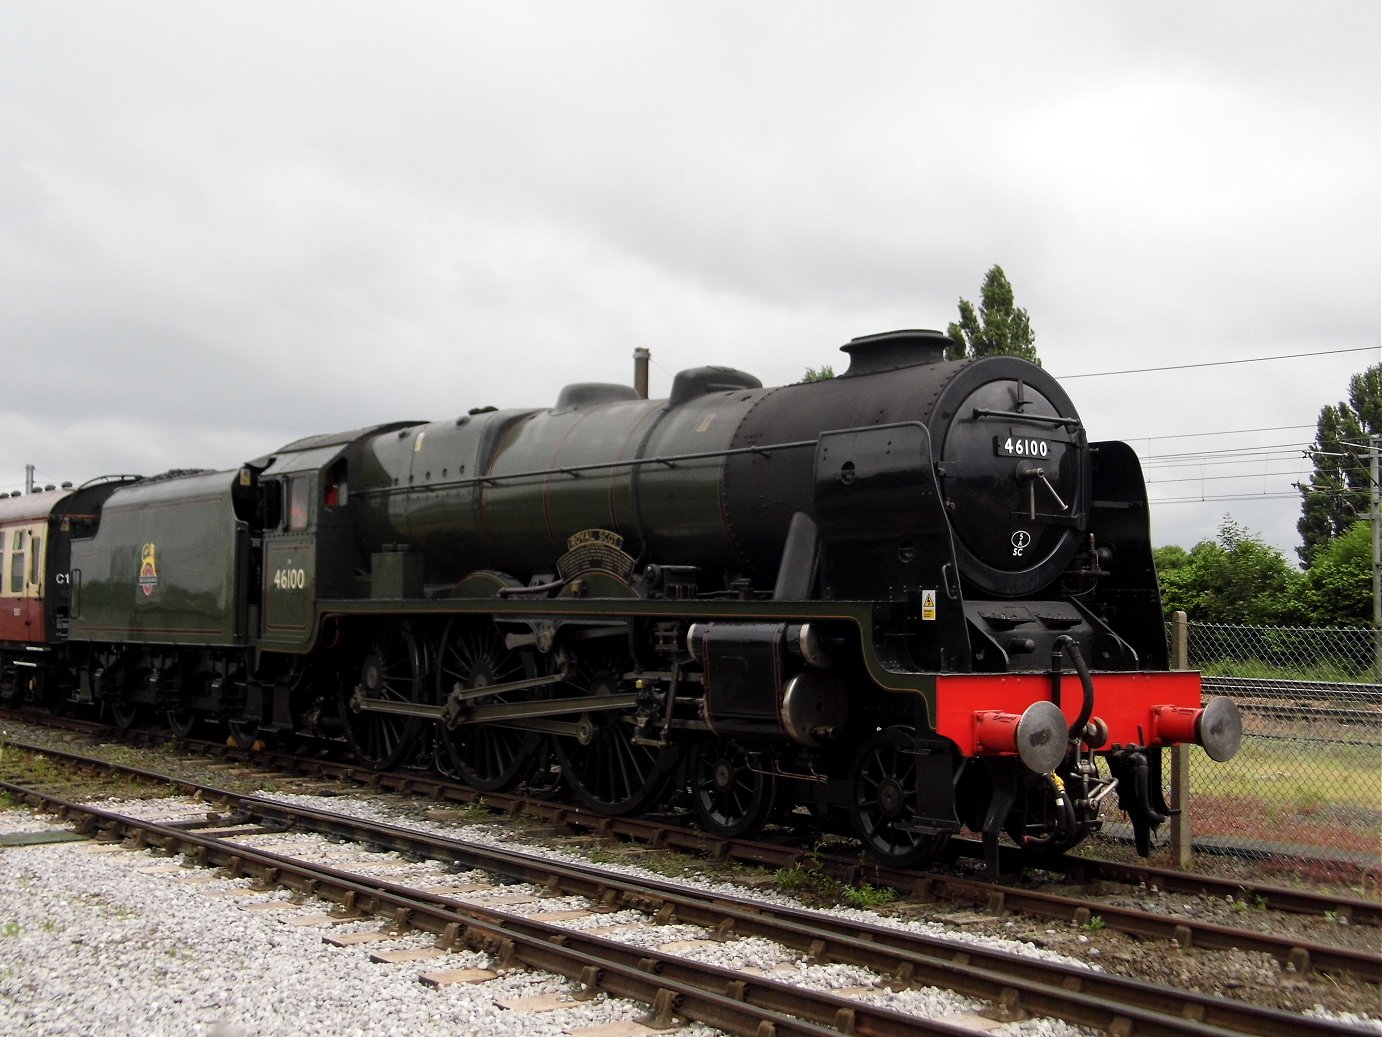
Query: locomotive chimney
[[871, 354], [640, 372]]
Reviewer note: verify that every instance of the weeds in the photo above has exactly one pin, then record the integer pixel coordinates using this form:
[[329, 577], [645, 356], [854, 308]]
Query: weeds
[[866, 896], [670, 865], [794, 876], [600, 854], [806, 877], [477, 810]]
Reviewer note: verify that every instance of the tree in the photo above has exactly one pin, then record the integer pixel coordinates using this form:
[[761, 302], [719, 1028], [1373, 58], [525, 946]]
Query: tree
[[818, 374], [1237, 579], [998, 328], [1169, 558], [1338, 586], [1337, 493]]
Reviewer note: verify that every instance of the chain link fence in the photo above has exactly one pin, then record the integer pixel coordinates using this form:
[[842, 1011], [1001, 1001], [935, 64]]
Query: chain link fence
[[1305, 789]]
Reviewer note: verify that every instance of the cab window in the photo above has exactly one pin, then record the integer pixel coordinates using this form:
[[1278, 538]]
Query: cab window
[[298, 498], [270, 504], [336, 492]]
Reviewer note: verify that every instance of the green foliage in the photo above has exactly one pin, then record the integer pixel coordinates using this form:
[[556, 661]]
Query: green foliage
[[1337, 494], [866, 896], [477, 810], [998, 328], [793, 876], [1237, 579], [1338, 585], [818, 374], [1171, 557]]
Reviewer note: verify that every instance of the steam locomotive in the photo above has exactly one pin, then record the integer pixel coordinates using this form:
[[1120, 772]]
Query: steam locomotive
[[912, 598]]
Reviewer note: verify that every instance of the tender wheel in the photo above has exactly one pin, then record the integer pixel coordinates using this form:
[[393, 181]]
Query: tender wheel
[[731, 796], [125, 714], [603, 765], [181, 722], [883, 803], [485, 756], [389, 670]]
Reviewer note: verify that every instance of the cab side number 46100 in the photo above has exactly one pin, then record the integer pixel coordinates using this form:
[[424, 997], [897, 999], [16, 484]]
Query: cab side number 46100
[[290, 579]]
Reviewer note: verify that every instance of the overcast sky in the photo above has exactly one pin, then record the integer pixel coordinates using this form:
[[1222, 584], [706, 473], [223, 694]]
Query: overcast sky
[[223, 227]]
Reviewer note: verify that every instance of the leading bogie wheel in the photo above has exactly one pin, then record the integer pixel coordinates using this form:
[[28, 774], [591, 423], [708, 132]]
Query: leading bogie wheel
[[884, 801], [731, 790]]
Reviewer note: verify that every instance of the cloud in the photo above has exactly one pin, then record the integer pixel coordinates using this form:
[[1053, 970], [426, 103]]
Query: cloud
[[221, 229]]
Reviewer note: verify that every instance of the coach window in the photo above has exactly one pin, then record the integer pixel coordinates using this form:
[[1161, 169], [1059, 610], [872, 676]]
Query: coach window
[[3, 559], [36, 562], [299, 492], [17, 560]]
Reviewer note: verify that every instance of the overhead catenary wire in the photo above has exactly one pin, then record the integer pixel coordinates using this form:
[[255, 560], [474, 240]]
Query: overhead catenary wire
[[1210, 498], [1221, 478], [1219, 363]]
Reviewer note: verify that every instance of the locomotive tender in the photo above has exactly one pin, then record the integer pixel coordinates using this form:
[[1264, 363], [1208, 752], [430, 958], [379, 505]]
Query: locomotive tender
[[913, 598]]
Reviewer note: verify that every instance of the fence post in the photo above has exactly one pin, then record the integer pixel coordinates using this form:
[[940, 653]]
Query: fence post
[[1180, 754], [1375, 517]]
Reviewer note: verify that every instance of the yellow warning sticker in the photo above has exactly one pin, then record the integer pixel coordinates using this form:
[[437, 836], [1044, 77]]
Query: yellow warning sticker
[[928, 605]]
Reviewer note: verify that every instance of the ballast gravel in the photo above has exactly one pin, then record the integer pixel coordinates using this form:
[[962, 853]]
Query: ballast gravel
[[93, 942]]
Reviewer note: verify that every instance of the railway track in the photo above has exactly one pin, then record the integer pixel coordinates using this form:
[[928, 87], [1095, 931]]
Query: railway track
[[847, 868], [1325, 692], [1014, 985]]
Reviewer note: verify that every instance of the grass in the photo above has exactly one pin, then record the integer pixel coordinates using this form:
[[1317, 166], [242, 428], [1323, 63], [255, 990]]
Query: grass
[[29, 766], [1338, 672], [1293, 793], [24, 766], [669, 864], [1294, 777]]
